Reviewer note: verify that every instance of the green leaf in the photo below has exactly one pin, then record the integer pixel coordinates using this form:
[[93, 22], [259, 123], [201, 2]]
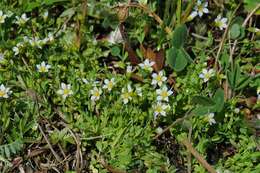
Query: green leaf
[[115, 51], [179, 36], [177, 59], [251, 4], [68, 13], [50, 2], [243, 82], [201, 100], [219, 100], [235, 31], [202, 110]]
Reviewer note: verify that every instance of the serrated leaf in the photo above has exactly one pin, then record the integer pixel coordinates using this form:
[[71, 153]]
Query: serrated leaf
[[179, 36]]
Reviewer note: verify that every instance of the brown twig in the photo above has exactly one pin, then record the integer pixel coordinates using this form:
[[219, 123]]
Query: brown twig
[[243, 25], [200, 159], [151, 13], [109, 167], [189, 154], [49, 144], [173, 124], [224, 37]]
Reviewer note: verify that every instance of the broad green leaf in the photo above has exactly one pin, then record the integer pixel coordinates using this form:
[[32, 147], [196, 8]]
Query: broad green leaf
[[179, 36], [171, 56], [115, 51], [68, 13], [235, 31], [201, 100], [202, 110], [219, 100]]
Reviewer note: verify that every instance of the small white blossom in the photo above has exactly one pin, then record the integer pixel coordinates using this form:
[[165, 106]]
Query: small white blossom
[[163, 94], [36, 42], [95, 94], [221, 22], [16, 48], [207, 74], [21, 20], [138, 91], [2, 17], [160, 109], [65, 90], [236, 110], [43, 67], [129, 69], [127, 94], [85, 81], [258, 93], [2, 57], [158, 78], [4, 92], [159, 130], [147, 65], [115, 36], [199, 9], [109, 84], [45, 15], [210, 118]]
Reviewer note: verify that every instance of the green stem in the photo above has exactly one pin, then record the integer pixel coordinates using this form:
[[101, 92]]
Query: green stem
[[179, 4]]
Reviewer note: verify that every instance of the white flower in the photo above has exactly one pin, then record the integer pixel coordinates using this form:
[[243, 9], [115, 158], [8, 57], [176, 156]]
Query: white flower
[[109, 84], [115, 36], [21, 20], [201, 8], [43, 67], [85, 81], [16, 48], [138, 91], [35, 42], [158, 78], [2, 57], [192, 15], [2, 17], [50, 37], [147, 65], [211, 119], [221, 22], [207, 74], [236, 110], [45, 15], [9, 13], [160, 109], [127, 94], [129, 69], [163, 94], [95, 94], [65, 90], [159, 130], [4, 92]]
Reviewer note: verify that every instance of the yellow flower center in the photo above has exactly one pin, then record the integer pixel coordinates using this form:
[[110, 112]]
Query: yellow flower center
[[158, 109], [96, 94], [2, 93], [43, 69], [110, 85], [164, 94], [159, 78], [66, 91]]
